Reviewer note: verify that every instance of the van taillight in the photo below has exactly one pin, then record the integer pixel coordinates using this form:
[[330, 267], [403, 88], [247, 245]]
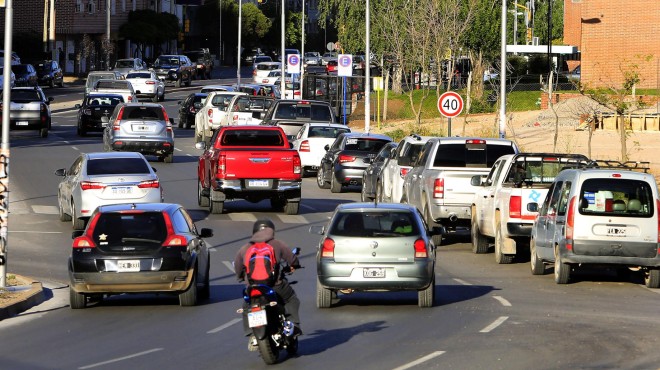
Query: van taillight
[[173, 240], [222, 166], [297, 165], [403, 172], [168, 124], [570, 223], [343, 158], [328, 248], [439, 188], [304, 146], [515, 205], [420, 249]]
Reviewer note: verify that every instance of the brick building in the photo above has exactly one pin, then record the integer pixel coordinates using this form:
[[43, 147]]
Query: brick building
[[613, 34]]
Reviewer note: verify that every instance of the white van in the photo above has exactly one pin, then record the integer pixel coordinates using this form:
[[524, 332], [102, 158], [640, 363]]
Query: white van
[[598, 216]]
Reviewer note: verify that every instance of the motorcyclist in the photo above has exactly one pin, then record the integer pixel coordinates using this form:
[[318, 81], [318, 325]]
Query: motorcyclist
[[264, 231]]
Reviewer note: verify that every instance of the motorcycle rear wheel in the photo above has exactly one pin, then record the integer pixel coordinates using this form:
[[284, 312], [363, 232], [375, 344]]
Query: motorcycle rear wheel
[[268, 350]]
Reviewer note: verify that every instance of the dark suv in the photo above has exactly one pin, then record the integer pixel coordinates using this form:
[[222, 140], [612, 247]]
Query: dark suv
[[50, 73], [203, 61], [291, 115], [175, 68]]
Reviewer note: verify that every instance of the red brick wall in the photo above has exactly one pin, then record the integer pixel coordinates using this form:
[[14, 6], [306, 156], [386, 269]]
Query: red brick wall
[[572, 23]]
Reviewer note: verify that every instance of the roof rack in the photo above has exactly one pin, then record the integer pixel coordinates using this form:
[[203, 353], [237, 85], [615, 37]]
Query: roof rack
[[614, 164]]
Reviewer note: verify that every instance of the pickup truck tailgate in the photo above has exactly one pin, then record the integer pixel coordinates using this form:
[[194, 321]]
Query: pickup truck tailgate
[[534, 195], [254, 164], [457, 187]]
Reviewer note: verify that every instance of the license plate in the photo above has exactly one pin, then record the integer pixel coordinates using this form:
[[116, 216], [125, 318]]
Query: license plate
[[21, 123], [258, 183], [141, 128], [257, 318], [616, 231], [373, 273], [128, 266], [122, 190]]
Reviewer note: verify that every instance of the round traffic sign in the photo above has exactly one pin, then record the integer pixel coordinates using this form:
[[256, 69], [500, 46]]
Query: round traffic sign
[[450, 104], [345, 61], [293, 60], [330, 46]]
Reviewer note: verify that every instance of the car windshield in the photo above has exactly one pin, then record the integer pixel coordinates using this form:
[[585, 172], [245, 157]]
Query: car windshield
[[168, 61], [117, 166], [267, 67], [110, 100], [44, 67], [138, 75], [478, 154], [124, 64], [140, 112], [134, 229], [369, 224], [18, 68], [315, 112], [615, 197], [91, 79], [364, 144], [327, 132]]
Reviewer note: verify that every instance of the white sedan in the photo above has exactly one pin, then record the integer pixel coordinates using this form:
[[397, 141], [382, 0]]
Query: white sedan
[[147, 85], [310, 142]]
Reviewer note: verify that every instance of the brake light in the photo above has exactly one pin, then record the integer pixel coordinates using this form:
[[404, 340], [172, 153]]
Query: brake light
[[210, 113], [296, 93], [173, 240], [130, 98], [83, 242], [343, 158], [439, 188], [420, 249], [475, 141], [328, 248], [115, 125], [222, 166], [515, 206], [191, 109], [304, 146], [90, 185], [570, 223], [150, 83], [616, 175], [403, 172], [150, 184], [297, 166], [166, 117]]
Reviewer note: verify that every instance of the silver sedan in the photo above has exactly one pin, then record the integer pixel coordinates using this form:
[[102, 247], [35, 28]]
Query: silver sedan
[[96, 179]]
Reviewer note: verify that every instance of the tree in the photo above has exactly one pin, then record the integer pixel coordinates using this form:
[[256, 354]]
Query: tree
[[147, 27]]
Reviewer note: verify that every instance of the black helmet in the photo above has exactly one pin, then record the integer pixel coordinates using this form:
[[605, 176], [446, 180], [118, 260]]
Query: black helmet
[[262, 224]]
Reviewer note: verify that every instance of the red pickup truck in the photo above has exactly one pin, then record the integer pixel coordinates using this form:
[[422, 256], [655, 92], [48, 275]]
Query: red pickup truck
[[249, 162]]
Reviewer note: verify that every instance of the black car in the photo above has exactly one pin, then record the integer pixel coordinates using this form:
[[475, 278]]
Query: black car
[[189, 107], [25, 74], [175, 68], [347, 158], [93, 107], [203, 62], [50, 73], [139, 248], [371, 174]]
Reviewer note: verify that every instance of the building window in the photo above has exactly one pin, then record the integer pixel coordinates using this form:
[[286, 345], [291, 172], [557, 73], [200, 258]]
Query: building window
[[79, 6], [91, 7], [113, 7], [123, 6]]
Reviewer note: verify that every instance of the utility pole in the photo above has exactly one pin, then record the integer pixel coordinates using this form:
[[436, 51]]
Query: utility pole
[[238, 58], [220, 35], [51, 35], [4, 149], [367, 75], [502, 123], [107, 34], [283, 57], [45, 37], [302, 50]]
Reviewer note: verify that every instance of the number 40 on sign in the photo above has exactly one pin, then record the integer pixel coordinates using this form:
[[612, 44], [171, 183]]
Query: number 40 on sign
[[450, 104]]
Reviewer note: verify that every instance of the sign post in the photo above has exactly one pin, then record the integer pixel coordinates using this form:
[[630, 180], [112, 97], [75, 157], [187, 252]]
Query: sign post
[[344, 69], [293, 67], [450, 104]]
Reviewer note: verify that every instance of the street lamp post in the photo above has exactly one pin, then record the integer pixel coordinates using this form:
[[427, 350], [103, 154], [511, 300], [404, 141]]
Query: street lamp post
[[220, 34], [4, 150], [283, 57], [238, 59], [502, 116], [367, 75], [107, 33], [302, 50]]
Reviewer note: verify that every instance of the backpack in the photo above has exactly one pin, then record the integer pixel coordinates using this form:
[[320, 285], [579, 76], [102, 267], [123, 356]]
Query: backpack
[[260, 264]]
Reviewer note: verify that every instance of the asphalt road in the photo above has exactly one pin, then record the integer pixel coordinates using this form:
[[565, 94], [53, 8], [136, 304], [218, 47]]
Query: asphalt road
[[486, 316]]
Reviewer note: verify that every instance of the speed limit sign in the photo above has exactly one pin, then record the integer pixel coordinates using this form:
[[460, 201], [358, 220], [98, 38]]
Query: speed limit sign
[[450, 104]]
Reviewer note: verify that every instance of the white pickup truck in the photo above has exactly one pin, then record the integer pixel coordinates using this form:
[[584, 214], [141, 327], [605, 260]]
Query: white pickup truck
[[499, 208], [209, 117], [246, 110], [439, 183]]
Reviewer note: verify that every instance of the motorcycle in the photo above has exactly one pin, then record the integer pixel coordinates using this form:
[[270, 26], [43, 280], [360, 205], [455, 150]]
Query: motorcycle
[[268, 322]]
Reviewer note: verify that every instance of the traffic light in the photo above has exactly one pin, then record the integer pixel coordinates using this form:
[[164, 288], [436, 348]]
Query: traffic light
[[186, 25]]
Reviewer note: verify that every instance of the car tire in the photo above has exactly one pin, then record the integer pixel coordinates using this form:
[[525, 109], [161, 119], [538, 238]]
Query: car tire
[[500, 257], [43, 133], [323, 296], [205, 292], [76, 300], [291, 208], [61, 84], [51, 83], [335, 186], [77, 223], [155, 98], [320, 180], [426, 296], [479, 241], [216, 208], [188, 125], [202, 201], [562, 270], [162, 96], [169, 158], [81, 132], [189, 297], [189, 80], [177, 83], [652, 278], [63, 216], [363, 193], [537, 265], [180, 124]]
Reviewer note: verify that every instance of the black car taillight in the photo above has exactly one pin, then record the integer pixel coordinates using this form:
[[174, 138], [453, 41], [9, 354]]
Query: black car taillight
[[173, 240]]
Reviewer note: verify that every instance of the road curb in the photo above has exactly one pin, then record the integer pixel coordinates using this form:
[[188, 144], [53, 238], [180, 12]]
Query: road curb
[[33, 297]]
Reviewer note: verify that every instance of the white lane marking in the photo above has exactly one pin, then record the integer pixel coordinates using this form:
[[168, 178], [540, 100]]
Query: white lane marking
[[229, 265], [308, 207], [419, 360], [292, 219], [178, 150], [503, 301], [75, 148], [48, 210], [242, 217], [462, 282], [495, 324], [224, 326], [120, 358]]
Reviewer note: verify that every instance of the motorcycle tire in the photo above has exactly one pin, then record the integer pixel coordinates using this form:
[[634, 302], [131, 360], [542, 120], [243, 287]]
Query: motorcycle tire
[[268, 350]]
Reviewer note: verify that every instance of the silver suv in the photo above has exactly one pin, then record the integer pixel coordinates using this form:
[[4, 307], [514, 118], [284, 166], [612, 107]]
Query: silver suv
[[140, 127]]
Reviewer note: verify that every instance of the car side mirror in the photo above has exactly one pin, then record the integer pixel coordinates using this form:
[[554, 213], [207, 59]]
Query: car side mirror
[[50, 99], [533, 207], [60, 172], [200, 145], [317, 229], [206, 232], [77, 106], [476, 180], [326, 147], [155, 170]]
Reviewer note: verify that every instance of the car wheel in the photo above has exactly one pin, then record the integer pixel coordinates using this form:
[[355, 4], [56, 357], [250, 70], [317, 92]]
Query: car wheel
[[78, 223], [63, 216], [205, 292], [291, 208], [180, 124], [216, 208], [43, 133], [538, 267], [335, 186], [188, 125], [189, 297], [189, 80], [51, 84], [479, 241], [562, 270], [363, 193], [76, 300], [169, 158], [379, 191], [436, 237], [177, 83], [652, 278], [500, 257], [323, 296], [61, 83], [320, 180], [426, 296], [162, 96], [155, 98], [81, 132], [202, 201]]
